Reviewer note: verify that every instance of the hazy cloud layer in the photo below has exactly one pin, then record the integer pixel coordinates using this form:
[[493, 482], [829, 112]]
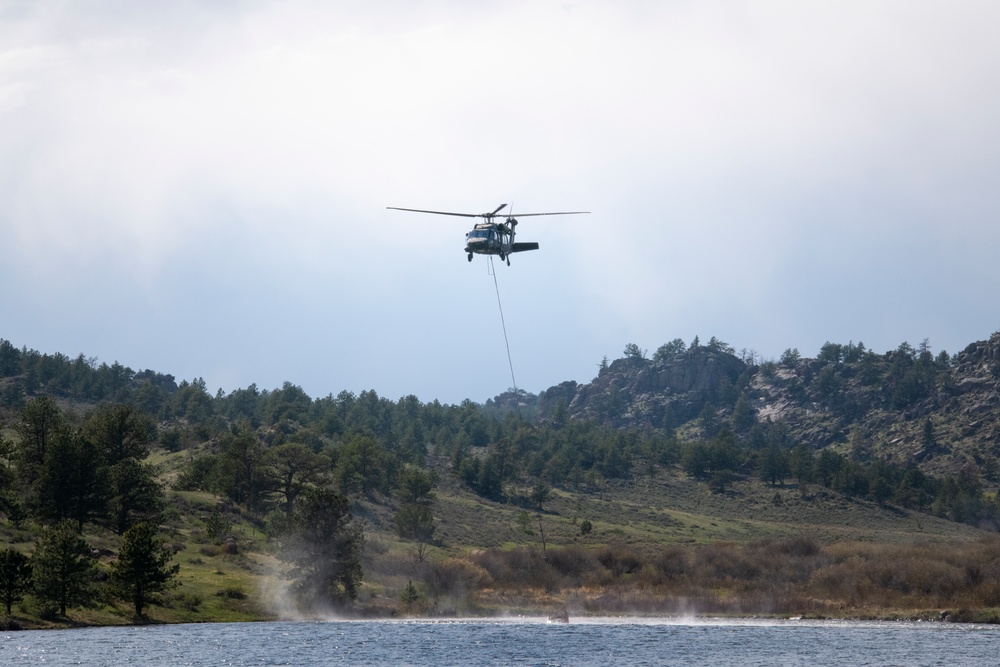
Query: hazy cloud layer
[[200, 188]]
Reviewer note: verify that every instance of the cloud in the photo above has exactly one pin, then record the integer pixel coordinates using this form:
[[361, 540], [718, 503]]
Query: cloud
[[774, 173]]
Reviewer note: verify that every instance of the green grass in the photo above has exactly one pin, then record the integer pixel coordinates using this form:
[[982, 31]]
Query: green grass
[[672, 509], [645, 515]]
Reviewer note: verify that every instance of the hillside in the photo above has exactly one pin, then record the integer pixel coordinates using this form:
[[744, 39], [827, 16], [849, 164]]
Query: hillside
[[701, 475]]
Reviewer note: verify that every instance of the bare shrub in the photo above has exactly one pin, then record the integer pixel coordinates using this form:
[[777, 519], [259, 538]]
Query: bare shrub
[[620, 559], [722, 562], [671, 563], [988, 593], [800, 547], [930, 577], [231, 593], [783, 563], [841, 581], [900, 575], [455, 577], [515, 568], [576, 565], [186, 601], [791, 576]]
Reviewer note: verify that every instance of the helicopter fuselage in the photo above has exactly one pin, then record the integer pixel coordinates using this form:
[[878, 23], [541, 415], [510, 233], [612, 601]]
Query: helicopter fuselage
[[492, 238]]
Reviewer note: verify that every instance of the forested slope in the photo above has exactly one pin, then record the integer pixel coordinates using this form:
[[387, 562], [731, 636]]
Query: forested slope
[[695, 445]]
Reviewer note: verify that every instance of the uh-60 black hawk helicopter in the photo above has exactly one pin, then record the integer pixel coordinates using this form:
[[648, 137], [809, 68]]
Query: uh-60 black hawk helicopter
[[491, 237]]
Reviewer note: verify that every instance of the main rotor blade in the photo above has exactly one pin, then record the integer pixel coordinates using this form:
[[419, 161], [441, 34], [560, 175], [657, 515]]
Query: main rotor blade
[[418, 210], [525, 215], [485, 215]]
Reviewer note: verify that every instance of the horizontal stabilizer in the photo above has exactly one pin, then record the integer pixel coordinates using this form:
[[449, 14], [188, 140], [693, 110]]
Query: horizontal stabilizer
[[521, 247]]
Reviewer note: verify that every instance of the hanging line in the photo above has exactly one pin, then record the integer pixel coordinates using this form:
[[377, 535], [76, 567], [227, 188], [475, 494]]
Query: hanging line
[[517, 401]]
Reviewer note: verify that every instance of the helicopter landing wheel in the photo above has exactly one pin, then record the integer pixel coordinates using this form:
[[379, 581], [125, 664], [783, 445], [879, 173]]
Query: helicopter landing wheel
[[508, 261], [470, 256]]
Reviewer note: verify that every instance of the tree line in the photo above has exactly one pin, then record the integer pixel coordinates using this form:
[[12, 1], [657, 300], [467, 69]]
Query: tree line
[[64, 476]]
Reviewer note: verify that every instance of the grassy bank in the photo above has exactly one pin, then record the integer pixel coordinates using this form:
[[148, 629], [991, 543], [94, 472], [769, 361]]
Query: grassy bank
[[953, 581], [661, 545]]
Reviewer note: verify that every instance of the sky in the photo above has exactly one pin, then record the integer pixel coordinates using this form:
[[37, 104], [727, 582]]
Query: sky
[[200, 188]]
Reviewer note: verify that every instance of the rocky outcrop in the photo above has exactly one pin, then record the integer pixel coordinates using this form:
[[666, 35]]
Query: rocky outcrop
[[635, 392], [983, 355], [903, 405], [883, 402]]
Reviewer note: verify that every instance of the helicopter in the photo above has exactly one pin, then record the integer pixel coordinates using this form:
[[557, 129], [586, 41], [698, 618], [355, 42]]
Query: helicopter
[[491, 237]]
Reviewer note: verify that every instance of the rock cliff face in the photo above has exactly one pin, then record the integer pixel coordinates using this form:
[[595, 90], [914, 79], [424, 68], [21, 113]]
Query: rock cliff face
[[637, 392]]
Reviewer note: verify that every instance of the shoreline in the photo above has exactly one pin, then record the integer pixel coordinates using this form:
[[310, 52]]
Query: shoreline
[[985, 617]]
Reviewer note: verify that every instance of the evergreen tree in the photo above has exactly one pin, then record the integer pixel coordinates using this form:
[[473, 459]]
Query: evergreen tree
[[633, 351], [142, 568], [802, 463], [323, 545], [73, 482], [410, 594], [928, 441], [880, 482], [716, 345], [292, 468], [744, 415], [723, 452], [695, 459], [15, 577], [774, 465], [828, 466], [41, 421], [120, 431], [668, 351], [416, 486], [364, 465], [415, 519], [416, 522], [790, 357], [242, 468], [560, 414], [603, 366], [489, 481], [540, 493], [7, 497], [135, 495], [63, 569]]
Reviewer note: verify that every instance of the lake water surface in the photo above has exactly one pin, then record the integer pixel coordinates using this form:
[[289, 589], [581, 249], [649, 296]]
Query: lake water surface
[[584, 642]]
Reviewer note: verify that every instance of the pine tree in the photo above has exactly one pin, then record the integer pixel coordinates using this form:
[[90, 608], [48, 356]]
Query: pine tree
[[15, 577], [324, 546], [415, 519], [142, 568], [63, 568], [774, 465]]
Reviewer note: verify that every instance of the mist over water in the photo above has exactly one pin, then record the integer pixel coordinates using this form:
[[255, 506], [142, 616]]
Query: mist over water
[[512, 641]]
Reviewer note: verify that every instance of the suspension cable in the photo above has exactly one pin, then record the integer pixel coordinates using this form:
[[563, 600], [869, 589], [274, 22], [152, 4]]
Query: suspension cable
[[517, 402]]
